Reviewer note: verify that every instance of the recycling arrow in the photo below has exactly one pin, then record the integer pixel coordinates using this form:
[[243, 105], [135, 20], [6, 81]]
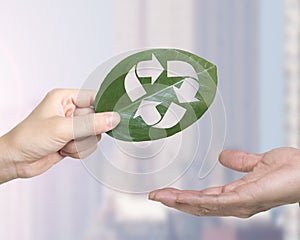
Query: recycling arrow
[[133, 86], [173, 116], [151, 68], [157, 92], [181, 69], [187, 91], [148, 111]]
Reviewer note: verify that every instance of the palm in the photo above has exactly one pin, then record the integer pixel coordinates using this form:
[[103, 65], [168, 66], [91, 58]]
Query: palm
[[273, 180]]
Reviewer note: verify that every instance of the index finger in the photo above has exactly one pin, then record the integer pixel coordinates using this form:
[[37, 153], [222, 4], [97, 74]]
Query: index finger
[[83, 98], [202, 204], [224, 204]]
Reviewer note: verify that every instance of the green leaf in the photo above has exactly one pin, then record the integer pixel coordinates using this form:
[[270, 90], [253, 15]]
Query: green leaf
[[157, 92]]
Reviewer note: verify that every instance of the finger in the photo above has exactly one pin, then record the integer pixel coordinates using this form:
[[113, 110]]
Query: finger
[[220, 189], [152, 194], [84, 98], [82, 154], [83, 111], [239, 160], [233, 185], [227, 188], [225, 204], [167, 196], [161, 192], [79, 145], [242, 202], [197, 203], [79, 97], [212, 190], [86, 125], [94, 124]]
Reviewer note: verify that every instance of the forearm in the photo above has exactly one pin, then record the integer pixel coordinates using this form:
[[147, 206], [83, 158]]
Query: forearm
[[7, 165]]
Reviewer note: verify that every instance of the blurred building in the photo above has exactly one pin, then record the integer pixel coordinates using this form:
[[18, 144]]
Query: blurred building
[[228, 33], [66, 203], [292, 71], [252, 231], [124, 217], [264, 231], [292, 103]]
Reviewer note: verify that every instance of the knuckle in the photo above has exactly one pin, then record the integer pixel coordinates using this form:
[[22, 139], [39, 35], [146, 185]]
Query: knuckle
[[54, 92]]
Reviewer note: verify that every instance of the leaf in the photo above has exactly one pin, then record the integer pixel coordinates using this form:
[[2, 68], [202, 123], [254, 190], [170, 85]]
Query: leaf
[[157, 92]]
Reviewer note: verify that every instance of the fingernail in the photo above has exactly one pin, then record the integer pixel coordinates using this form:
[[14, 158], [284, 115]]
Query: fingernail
[[112, 119]]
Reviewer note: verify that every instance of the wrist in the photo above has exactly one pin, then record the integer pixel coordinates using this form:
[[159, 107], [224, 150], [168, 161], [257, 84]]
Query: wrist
[[8, 169]]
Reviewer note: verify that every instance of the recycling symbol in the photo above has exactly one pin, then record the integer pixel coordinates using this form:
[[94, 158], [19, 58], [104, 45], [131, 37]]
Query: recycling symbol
[[147, 109], [157, 92]]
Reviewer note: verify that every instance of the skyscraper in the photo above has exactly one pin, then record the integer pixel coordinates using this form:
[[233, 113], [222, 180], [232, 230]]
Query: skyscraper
[[292, 103], [227, 33], [292, 71]]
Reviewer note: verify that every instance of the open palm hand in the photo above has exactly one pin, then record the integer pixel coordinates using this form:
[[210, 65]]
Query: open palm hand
[[273, 179]]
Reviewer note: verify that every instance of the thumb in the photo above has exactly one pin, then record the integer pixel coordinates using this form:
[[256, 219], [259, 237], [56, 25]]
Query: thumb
[[104, 122], [90, 124], [239, 160]]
